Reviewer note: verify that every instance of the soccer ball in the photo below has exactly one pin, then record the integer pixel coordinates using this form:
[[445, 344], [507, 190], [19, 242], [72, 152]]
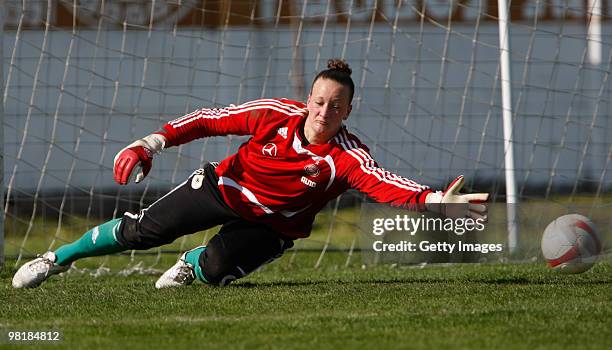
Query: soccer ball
[[570, 244]]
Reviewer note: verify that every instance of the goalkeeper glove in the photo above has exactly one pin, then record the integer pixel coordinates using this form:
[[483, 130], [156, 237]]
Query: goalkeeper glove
[[453, 204], [139, 154]]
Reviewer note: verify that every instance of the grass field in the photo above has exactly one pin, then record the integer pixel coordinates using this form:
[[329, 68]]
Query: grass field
[[290, 304], [497, 306]]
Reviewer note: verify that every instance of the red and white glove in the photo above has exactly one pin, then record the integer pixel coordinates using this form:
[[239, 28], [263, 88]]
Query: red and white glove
[[139, 155], [453, 204]]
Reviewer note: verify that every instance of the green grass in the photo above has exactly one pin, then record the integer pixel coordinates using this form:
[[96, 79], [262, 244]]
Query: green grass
[[292, 305]]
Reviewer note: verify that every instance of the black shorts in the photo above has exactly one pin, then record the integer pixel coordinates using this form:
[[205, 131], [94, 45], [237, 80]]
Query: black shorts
[[196, 205]]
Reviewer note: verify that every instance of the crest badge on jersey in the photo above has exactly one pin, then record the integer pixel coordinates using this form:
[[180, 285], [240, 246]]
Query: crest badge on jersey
[[312, 170], [269, 150]]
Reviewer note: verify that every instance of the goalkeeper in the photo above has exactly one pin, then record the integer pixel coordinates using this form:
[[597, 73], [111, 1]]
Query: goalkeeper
[[266, 195]]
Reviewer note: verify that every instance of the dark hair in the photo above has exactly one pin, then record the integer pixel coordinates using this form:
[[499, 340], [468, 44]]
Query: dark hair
[[339, 71]]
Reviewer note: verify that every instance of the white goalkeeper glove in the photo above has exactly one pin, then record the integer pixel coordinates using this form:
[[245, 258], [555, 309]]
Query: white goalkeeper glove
[[139, 155], [453, 204]]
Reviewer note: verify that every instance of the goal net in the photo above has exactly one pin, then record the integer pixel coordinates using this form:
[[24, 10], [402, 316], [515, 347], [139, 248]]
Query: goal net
[[84, 78]]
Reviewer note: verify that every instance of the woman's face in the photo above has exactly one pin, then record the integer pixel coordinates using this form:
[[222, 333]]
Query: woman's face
[[328, 105]]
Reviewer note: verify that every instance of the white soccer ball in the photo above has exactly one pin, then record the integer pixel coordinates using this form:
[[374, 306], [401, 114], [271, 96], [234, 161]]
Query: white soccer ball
[[570, 244]]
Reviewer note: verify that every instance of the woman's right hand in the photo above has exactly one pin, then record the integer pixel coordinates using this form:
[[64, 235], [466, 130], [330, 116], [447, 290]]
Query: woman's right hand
[[137, 159]]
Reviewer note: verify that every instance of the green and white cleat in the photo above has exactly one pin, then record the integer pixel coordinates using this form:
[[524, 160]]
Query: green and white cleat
[[33, 273], [180, 274]]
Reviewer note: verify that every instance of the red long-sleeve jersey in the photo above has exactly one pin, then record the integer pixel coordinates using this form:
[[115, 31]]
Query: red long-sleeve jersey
[[277, 177]]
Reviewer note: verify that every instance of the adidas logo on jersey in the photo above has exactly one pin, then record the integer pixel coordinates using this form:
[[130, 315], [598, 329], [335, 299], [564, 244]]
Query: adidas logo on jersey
[[282, 132]]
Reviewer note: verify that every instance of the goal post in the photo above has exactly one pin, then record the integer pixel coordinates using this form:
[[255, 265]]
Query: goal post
[[507, 115]]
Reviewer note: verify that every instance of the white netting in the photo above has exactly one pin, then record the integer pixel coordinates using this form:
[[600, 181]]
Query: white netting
[[84, 78]]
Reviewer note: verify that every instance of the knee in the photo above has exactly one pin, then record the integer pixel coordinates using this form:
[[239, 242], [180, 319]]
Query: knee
[[217, 265]]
